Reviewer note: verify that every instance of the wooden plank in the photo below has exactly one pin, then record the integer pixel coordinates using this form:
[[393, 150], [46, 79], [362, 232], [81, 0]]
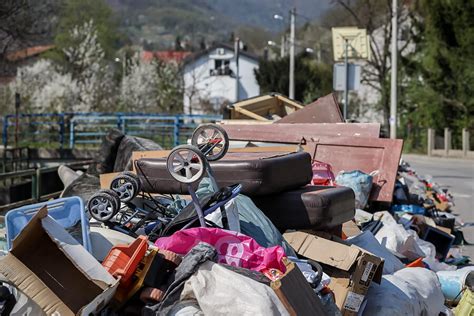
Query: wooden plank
[[249, 114], [293, 133]]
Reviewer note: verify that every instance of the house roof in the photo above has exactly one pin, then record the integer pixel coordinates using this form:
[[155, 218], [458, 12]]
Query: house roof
[[165, 55], [195, 56], [27, 52]]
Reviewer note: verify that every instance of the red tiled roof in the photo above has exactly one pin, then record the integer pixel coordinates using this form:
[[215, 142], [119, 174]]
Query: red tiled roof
[[6, 80], [165, 55], [27, 52]]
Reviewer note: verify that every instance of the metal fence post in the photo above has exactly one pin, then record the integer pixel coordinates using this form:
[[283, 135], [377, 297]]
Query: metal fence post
[[431, 138], [71, 134], [120, 123], [465, 141], [5, 131], [447, 141], [61, 130], [36, 184], [176, 130]]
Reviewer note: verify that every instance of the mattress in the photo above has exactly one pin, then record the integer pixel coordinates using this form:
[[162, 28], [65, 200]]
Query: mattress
[[259, 174], [311, 207]]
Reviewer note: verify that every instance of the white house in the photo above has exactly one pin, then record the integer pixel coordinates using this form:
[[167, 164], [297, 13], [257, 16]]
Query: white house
[[210, 77]]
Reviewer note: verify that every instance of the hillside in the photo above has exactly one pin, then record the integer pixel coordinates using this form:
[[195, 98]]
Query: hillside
[[157, 23]]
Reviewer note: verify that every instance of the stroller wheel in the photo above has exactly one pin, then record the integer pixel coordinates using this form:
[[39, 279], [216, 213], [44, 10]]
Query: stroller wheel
[[186, 164], [126, 185], [103, 205], [212, 140]]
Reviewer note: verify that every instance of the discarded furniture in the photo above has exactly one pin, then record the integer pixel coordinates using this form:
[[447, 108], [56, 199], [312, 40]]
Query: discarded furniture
[[294, 133], [323, 110], [264, 108]]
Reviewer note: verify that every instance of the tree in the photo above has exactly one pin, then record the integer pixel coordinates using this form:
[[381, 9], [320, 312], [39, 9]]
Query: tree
[[74, 13], [43, 88], [84, 85], [151, 87], [23, 22], [86, 62], [312, 79], [440, 73]]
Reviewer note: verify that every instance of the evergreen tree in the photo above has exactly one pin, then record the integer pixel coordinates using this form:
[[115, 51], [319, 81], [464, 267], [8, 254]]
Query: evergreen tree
[[439, 82]]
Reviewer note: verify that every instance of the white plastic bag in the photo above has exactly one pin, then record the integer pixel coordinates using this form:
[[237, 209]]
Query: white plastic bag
[[367, 241], [396, 238], [410, 291]]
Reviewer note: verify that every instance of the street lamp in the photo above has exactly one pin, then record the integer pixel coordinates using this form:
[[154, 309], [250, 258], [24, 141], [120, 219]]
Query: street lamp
[[278, 17], [271, 43], [282, 47], [309, 50]]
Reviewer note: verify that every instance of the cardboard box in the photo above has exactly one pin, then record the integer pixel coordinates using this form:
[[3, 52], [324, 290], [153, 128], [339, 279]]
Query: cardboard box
[[50, 267], [351, 269], [295, 293]]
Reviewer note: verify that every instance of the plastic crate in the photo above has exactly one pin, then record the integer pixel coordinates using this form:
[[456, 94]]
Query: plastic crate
[[68, 212], [123, 260]]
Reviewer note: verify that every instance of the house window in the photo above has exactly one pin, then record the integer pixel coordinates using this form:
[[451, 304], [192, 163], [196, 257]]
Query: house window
[[221, 68]]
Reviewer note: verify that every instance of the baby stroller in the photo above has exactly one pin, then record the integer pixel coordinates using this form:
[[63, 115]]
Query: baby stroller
[[156, 215]]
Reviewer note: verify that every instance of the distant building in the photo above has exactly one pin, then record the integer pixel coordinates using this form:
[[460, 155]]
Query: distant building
[[19, 58], [165, 55], [210, 79]]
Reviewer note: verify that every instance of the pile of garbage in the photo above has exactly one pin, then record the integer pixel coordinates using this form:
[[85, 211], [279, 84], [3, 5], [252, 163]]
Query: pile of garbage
[[227, 225]]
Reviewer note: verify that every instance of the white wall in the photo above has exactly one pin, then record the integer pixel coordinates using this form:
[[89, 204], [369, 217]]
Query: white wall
[[199, 83]]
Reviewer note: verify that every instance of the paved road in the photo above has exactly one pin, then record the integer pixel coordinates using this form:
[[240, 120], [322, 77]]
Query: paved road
[[457, 175]]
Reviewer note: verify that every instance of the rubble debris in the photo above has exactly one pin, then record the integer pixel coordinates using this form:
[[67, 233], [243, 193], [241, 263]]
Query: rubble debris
[[198, 229]]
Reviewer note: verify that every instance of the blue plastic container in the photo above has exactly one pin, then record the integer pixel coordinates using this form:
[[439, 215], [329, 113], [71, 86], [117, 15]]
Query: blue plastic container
[[408, 208], [68, 212]]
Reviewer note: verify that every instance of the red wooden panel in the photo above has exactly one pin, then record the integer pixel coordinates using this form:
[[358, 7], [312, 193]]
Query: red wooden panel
[[323, 110], [365, 154], [293, 133]]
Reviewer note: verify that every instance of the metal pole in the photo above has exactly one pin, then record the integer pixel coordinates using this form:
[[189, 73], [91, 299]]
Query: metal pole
[[393, 90], [282, 47], [346, 83], [291, 92], [17, 123], [237, 80]]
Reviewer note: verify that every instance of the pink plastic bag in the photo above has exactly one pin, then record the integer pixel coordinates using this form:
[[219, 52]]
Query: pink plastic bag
[[322, 173], [232, 248]]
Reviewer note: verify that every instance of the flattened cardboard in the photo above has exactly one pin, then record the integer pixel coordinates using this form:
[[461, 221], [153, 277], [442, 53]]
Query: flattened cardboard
[[351, 269], [55, 271], [350, 229], [106, 179]]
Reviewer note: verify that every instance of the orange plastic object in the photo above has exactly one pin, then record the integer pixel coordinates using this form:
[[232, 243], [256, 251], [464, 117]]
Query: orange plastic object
[[417, 263], [122, 260]]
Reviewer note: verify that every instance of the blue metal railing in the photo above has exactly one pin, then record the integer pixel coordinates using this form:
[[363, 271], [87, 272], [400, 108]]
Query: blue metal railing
[[53, 129]]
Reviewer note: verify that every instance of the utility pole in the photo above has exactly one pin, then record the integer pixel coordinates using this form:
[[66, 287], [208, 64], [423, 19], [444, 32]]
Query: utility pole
[[291, 92], [282, 47], [237, 53], [346, 84], [393, 88]]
